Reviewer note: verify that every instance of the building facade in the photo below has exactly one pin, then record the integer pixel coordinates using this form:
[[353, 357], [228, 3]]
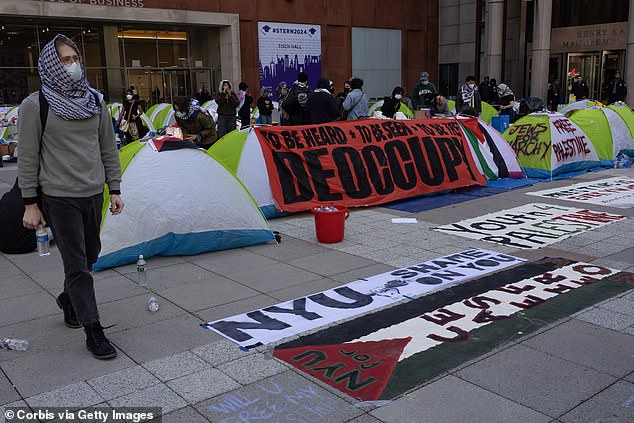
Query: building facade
[[529, 43], [167, 48]]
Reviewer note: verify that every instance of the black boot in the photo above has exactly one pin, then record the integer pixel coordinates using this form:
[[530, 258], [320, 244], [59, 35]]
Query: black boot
[[97, 343], [70, 318]]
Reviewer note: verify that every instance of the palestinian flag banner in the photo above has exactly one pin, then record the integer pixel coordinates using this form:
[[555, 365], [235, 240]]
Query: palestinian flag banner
[[384, 354]]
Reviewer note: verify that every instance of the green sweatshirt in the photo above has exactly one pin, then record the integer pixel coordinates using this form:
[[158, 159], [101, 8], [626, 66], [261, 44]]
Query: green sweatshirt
[[77, 157]]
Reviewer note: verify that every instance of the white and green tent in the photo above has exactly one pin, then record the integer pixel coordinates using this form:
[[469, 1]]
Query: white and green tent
[[161, 115], [403, 109], [607, 131], [240, 151], [550, 144], [178, 201], [626, 114], [564, 109], [488, 111]]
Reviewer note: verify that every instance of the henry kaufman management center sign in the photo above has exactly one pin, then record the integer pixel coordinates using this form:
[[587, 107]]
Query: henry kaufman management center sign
[[290, 318], [531, 226], [363, 163]]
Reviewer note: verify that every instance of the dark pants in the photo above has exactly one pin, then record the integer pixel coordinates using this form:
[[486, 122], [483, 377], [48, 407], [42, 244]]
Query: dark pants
[[75, 223], [266, 119], [226, 124]]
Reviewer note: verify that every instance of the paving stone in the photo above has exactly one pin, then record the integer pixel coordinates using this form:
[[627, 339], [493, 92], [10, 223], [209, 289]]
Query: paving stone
[[179, 274], [537, 380], [202, 385], [153, 263], [363, 272], [626, 256], [32, 263], [220, 352], [289, 249], [630, 377], [122, 382], [601, 349], [155, 396], [606, 318], [132, 312], [620, 305], [27, 307], [184, 415], [273, 277], [454, 400], [365, 418], [75, 395], [156, 340], [224, 262], [214, 291], [252, 368], [615, 404], [115, 288], [286, 396], [304, 289], [13, 404], [16, 286], [236, 307], [176, 365], [7, 392], [36, 373]]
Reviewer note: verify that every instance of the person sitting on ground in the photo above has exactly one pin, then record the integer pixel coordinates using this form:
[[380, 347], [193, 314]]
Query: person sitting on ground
[[322, 106], [469, 96], [227, 102], [440, 107], [392, 104], [197, 126], [265, 107], [356, 104]]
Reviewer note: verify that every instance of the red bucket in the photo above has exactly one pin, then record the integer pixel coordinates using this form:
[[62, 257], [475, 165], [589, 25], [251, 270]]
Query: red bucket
[[330, 225]]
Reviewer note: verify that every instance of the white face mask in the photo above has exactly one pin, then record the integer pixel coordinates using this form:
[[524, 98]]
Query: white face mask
[[74, 70], [128, 97], [471, 85], [398, 96], [180, 115]]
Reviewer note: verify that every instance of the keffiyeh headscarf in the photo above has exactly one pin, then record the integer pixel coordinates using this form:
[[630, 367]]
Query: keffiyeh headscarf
[[69, 99], [466, 93], [192, 108]]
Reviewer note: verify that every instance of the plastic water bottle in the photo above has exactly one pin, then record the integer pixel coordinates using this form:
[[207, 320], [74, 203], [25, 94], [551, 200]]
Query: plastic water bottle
[[14, 344], [141, 272], [153, 304], [41, 236]]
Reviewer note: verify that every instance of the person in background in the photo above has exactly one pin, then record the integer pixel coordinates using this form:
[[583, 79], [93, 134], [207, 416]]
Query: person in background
[[392, 104], [156, 95], [227, 103], [494, 97], [580, 88], [356, 105], [555, 95], [135, 93], [203, 95], [340, 98], [424, 92], [440, 107], [485, 90], [131, 113], [244, 108], [617, 90], [197, 126], [281, 92], [70, 160], [506, 101], [331, 88], [322, 106], [265, 107], [297, 100], [469, 96]]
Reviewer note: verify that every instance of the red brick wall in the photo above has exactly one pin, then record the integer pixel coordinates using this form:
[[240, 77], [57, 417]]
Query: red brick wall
[[418, 20]]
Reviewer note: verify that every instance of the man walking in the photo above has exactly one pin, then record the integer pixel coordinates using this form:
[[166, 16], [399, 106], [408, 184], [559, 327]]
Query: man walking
[[68, 154]]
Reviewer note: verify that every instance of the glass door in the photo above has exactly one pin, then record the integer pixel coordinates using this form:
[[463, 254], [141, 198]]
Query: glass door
[[612, 62], [586, 65]]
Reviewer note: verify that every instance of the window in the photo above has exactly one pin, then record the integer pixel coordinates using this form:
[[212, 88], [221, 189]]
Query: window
[[588, 12]]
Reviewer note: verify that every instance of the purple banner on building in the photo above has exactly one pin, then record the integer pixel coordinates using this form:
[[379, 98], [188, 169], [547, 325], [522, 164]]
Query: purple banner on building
[[287, 49]]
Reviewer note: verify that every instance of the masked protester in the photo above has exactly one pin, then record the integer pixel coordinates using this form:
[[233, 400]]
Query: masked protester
[[424, 92], [70, 160], [322, 106], [469, 96], [227, 103], [129, 120], [197, 125], [265, 107], [342, 96], [392, 104]]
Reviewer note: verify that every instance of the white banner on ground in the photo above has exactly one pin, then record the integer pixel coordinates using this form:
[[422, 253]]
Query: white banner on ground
[[290, 318], [612, 192], [531, 226]]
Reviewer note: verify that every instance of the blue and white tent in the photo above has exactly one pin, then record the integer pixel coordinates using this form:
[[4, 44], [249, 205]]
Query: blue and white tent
[[178, 201]]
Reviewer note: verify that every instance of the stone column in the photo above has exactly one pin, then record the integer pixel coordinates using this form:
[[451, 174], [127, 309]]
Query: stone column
[[629, 57], [541, 48], [494, 38], [230, 53], [116, 86]]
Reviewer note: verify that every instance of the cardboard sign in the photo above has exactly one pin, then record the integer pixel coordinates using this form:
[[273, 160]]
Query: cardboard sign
[[290, 318], [369, 162], [612, 192], [531, 226]]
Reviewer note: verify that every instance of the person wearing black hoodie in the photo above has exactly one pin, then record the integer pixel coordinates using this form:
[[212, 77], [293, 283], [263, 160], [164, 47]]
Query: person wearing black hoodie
[[297, 100], [392, 104], [341, 97], [227, 103], [322, 106]]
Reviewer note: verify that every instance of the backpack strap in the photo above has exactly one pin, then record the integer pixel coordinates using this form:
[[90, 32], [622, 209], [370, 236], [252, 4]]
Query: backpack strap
[[43, 113]]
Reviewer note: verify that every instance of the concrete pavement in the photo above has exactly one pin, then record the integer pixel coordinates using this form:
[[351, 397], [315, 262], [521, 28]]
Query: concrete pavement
[[579, 369]]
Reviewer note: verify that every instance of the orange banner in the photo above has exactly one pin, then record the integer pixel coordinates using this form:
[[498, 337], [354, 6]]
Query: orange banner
[[366, 162]]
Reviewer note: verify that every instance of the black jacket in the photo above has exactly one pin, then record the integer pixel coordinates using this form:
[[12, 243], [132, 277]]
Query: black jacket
[[581, 90], [295, 104], [555, 96], [620, 92], [14, 237], [322, 107], [390, 107], [265, 106]]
